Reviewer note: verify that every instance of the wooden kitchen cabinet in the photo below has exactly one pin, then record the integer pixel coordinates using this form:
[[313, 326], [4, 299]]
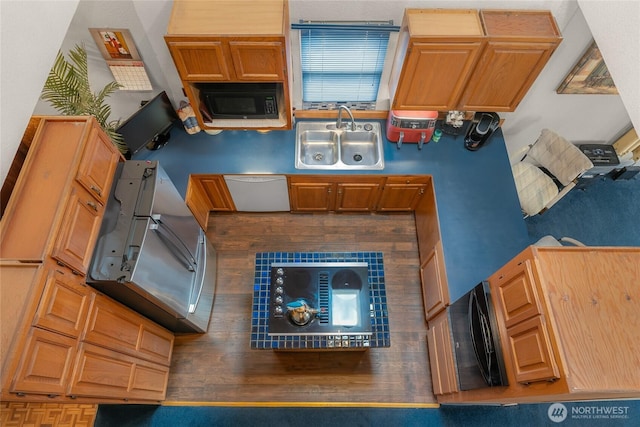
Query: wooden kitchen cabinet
[[433, 277], [519, 45], [64, 304], [311, 194], [437, 50], [98, 164], [441, 360], [106, 374], [225, 60], [226, 41], [402, 193], [48, 230], [78, 231], [566, 319], [340, 193], [208, 193], [469, 60]]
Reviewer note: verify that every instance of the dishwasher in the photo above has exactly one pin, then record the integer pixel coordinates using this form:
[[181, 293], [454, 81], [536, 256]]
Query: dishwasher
[[259, 193]]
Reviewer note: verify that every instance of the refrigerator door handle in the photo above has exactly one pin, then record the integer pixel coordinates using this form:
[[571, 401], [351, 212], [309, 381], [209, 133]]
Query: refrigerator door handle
[[199, 280], [175, 245]]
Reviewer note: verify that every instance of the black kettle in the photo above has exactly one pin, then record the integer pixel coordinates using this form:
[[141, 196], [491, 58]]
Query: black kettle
[[480, 130]]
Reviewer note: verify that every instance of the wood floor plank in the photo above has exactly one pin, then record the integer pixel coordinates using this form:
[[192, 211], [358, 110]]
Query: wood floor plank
[[220, 366]]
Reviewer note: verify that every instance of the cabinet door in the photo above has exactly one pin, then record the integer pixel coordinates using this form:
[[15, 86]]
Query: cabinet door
[[257, 61], [200, 60], [435, 74], [435, 291], [401, 194], [116, 327], [311, 196], [531, 351], [206, 193], [504, 75], [46, 363], [64, 304], [517, 292], [359, 196], [108, 374], [79, 230], [98, 164], [443, 374]]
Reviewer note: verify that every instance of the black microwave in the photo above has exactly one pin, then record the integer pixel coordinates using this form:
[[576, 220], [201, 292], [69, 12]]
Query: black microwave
[[240, 100]]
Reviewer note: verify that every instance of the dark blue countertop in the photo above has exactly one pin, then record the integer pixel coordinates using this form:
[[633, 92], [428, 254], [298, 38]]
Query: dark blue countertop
[[480, 219]]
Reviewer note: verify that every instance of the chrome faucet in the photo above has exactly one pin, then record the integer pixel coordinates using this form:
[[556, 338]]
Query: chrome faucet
[[339, 121]]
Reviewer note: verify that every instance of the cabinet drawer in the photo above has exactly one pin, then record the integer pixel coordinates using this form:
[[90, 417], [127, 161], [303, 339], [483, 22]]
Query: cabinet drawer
[[64, 304], [109, 374], [79, 230], [517, 293], [116, 327], [532, 354], [46, 363]]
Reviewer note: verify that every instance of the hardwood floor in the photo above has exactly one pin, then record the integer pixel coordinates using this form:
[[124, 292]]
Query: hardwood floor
[[220, 366]]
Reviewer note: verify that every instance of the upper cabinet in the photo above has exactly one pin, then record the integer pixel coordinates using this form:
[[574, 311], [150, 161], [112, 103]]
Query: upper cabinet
[[470, 60], [437, 50], [227, 41], [519, 44]]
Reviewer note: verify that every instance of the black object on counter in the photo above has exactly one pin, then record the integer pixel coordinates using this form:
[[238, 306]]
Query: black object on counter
[[480, 130]]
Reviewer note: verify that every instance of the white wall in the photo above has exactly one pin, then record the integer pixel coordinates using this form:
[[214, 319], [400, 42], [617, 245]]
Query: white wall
[[30, 35], [32, 31]]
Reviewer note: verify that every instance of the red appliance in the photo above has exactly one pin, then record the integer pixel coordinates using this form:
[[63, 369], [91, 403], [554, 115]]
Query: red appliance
[[411, 126]]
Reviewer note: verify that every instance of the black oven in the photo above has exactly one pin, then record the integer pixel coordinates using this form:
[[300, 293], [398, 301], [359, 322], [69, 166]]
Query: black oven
[[240, 100], [476, 341]]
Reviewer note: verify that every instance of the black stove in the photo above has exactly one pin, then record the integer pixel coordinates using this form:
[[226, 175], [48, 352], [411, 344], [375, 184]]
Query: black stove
[[319, 298]]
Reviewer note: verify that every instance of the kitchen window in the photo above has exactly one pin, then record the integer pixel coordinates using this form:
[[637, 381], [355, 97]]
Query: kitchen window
[[342, 64]]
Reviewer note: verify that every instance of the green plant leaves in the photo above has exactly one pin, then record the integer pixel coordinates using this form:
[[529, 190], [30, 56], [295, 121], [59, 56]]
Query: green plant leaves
[[67, 89]]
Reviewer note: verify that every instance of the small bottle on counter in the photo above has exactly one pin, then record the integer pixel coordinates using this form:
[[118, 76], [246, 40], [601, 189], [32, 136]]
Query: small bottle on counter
[[436, 135]]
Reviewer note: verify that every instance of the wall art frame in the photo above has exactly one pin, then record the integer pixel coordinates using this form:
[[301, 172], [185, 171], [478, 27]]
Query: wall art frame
[[589, 75]]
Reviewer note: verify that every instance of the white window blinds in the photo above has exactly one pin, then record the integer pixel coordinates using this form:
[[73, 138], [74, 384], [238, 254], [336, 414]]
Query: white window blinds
[[342, 65]]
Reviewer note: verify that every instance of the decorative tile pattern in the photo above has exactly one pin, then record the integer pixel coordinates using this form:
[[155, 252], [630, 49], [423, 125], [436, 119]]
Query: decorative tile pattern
[[260, 308], [47, 414]]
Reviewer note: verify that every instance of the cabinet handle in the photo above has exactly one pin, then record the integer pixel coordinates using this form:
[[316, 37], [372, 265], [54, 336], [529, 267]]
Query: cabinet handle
[[96, 190], [92, 205], [51, 396], [329, 190], [422, 191]]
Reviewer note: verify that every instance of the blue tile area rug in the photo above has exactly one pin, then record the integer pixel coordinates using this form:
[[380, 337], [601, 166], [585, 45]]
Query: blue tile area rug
[[260, 308]]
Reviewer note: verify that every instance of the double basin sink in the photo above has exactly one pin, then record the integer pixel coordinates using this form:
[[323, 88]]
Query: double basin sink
[[321, 145]]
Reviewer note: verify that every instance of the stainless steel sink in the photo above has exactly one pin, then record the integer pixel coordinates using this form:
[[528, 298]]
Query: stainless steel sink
[[320, 145]]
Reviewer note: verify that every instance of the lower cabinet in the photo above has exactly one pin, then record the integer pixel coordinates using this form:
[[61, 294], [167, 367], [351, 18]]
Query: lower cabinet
[[402, 193], [205, 194], [105, 373], [356, 193], [46, 364], [443, 375], [433, 276], [79, 343]]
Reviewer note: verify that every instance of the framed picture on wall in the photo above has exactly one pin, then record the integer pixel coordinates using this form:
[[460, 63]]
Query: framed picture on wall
[[115, 43], [589, 76]]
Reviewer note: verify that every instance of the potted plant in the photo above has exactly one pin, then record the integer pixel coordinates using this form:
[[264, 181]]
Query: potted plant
[[67, 89]]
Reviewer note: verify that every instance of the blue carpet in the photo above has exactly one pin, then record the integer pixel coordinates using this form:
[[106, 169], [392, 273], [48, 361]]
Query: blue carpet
[[583, 414], [605, 213]]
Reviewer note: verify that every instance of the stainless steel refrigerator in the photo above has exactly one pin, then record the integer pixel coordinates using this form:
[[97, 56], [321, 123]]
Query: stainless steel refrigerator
[[151, 254]]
